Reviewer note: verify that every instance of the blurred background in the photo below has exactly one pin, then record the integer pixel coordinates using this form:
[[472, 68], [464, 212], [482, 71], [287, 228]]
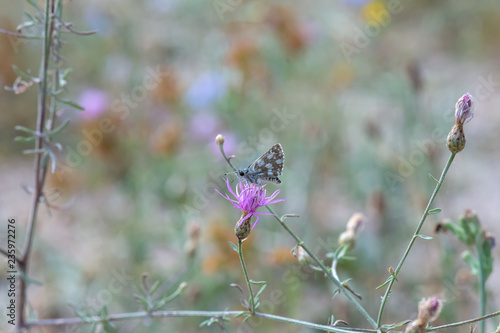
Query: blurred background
[[361, 96]]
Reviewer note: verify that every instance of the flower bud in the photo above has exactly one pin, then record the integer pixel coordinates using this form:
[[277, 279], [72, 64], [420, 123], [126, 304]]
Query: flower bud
[[347, 238], [243, 227], [353, 226], [456, 138], [429, 309], [302, 256], [416, 326], [356, 221], [464, 109], [463, 114], [191, 245], [219, 139]]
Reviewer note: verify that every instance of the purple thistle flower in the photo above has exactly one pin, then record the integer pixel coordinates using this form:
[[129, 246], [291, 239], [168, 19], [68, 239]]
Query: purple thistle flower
[[464, 108], [249, 198]]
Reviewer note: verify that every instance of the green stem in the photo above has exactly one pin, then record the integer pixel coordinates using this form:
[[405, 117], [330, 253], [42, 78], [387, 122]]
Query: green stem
[[412, 241], [251, 301], [461, 323], [328, 272], [187, 313], [39, 170], [482, 284]]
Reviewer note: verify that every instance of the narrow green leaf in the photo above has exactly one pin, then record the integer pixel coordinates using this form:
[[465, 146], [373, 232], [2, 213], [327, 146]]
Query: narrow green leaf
[[386, 282], [25, 129], [33, 151], [159, 303], [241, 314], [155, 286], [434, 179], [234, 247], [53, 160], [23, 139], [424, 237], [21, 73], [33, 20], [34, 4], [59, 128], [143, 302], [71, 103], [28, 280], [139, 289], [260, 291], [258, 283], [435, 211]]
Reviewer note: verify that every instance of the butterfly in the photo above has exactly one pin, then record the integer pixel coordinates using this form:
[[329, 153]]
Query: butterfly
[[266, 168]]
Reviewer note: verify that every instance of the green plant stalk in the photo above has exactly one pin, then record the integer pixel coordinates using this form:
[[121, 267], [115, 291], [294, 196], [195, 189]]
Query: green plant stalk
[[337, 283], [244, 267], [461, 323], [187, 313], [38, 170], [482, 284], [413, 239]]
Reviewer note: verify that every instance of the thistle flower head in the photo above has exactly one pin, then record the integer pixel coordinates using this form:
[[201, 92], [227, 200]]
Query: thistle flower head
[[248, 198], [464, 109]]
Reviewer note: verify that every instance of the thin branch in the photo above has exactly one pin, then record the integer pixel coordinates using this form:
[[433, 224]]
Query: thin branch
[[413, 239], [163, 314], [14, 34], [244, 267], [460, 323], [328, 272], [39, 171], [68, 26]]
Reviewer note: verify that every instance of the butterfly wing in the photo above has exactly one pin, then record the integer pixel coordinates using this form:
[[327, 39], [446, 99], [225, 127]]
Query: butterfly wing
[[268, 166]]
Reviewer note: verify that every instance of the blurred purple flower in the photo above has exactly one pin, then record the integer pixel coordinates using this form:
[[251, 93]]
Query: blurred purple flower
[[205, 90], [249, 198], [94, 101], [204, 125]]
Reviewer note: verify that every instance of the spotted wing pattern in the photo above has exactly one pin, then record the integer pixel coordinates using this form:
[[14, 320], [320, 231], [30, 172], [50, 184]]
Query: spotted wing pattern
[[266, 168]]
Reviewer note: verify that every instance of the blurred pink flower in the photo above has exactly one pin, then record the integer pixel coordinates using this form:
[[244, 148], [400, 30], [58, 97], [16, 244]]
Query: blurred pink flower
[[94, 101], [249, 198]]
